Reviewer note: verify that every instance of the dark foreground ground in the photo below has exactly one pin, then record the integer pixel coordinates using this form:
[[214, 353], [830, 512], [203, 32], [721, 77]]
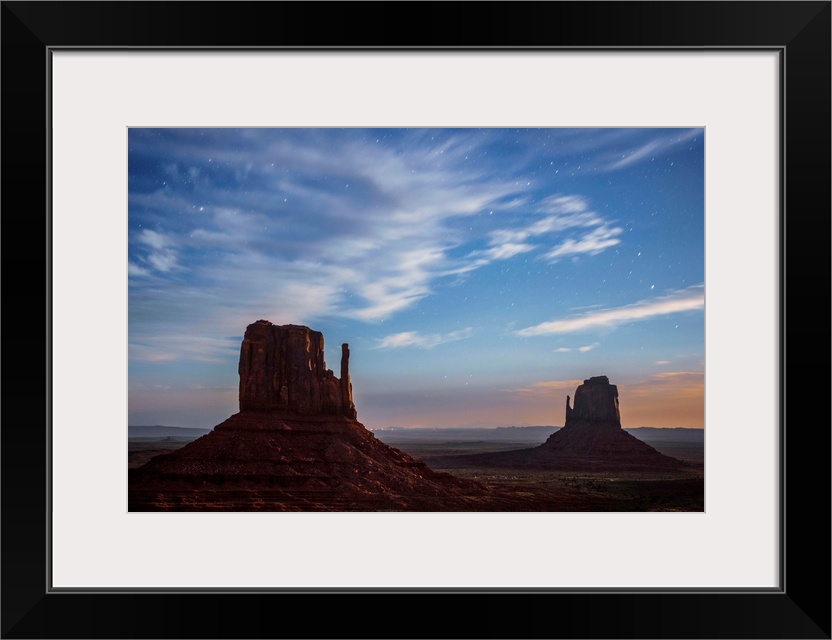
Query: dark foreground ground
[[563, 490], [503, 489], [140, 450]]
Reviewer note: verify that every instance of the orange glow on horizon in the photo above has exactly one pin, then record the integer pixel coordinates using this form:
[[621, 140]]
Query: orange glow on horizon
[[671, 399]]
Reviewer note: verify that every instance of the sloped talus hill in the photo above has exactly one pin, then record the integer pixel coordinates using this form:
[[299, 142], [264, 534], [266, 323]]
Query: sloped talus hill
[[591, 440], [295, 444]]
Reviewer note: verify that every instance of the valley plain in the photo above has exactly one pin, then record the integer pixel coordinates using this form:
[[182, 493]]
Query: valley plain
[[517, 489]]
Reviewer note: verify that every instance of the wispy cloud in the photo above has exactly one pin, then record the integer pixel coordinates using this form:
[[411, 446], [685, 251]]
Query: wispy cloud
[[154, 240], [502, 251], [188, 348], [136, 270], [583, 349], [159, 254], [554, 215], [423, 341], [548, 387], [635, 155], [564, 204], [678, 385], [679, 375], [650, 149], [591, 243], [688, 299]]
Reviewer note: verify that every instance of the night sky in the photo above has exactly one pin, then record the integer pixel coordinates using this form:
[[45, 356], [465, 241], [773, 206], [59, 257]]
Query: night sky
[[477, 274]]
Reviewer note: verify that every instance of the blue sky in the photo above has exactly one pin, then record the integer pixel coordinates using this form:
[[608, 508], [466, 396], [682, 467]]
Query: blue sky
[[477, 274]]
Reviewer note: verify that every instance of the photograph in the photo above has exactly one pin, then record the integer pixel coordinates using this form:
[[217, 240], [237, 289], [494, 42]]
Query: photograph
[[420, 319]]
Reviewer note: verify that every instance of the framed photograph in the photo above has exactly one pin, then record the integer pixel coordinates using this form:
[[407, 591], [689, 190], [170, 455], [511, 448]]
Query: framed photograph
[[713, 117]]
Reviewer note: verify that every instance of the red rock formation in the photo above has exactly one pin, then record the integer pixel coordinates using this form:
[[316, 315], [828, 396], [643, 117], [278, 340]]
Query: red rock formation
[[591, 440], [294, 445], [592, 436]]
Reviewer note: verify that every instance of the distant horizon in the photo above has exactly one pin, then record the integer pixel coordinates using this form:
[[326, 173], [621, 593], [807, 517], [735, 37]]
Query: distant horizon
[[478, 275], [397, 428]]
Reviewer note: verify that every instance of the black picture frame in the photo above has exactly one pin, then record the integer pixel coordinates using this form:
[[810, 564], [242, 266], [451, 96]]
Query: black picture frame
[[799, 31]]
